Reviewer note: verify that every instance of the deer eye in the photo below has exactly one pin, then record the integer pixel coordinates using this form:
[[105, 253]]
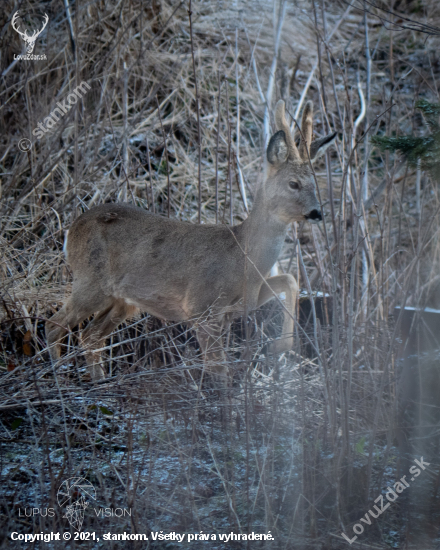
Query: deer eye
[[294, 185]]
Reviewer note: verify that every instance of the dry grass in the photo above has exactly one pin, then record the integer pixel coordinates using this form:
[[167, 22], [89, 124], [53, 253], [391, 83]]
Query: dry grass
[[306, 441]]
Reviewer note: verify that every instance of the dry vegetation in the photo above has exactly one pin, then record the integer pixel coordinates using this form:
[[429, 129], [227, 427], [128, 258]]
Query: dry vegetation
[[304, 442]]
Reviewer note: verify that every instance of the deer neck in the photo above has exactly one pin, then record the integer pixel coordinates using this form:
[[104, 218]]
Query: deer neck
[[262, 234]]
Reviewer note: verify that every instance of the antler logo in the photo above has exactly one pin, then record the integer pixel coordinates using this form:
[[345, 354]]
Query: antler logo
[[29, 40], [72, 496]]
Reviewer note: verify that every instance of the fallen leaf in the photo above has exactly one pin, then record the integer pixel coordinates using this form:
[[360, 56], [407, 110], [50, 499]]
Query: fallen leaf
[[16, 423]]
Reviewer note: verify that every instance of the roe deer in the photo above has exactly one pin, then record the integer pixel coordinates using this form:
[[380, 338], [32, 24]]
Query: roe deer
[[125, 259]]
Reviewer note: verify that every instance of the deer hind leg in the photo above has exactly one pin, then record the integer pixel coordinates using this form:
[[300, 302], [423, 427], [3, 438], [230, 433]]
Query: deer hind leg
[[209, 335], [281, 283], [77, 308], [94, 336]]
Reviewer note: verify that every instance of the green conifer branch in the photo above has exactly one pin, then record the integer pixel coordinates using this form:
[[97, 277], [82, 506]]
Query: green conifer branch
[[426, 149]]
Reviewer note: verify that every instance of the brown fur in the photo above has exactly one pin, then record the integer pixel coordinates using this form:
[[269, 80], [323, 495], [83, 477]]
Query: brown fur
[[124, 258]]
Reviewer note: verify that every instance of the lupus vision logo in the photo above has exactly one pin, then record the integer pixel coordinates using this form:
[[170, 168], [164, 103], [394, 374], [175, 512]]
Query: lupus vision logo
[[72, 495], [19, 25]]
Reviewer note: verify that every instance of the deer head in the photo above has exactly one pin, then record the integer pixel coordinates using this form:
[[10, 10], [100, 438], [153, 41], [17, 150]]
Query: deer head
[[29, 40], [290, 185]]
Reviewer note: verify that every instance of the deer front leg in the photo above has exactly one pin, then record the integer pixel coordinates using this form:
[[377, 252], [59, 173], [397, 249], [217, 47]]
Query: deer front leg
[[94, 336], [276, 285], [209, 335]]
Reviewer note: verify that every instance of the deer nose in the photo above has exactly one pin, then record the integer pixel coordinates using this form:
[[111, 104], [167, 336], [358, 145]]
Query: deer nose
[[314, 215]]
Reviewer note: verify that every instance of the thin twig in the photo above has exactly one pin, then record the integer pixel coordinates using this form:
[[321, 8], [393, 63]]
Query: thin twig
[[199, 144], [217, 146], [72, 34], [147, 146], [273, 68], [166, 158]]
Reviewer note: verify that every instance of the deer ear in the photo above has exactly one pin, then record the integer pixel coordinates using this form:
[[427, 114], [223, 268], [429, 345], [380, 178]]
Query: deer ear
[[277, 150], [320, 146]]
